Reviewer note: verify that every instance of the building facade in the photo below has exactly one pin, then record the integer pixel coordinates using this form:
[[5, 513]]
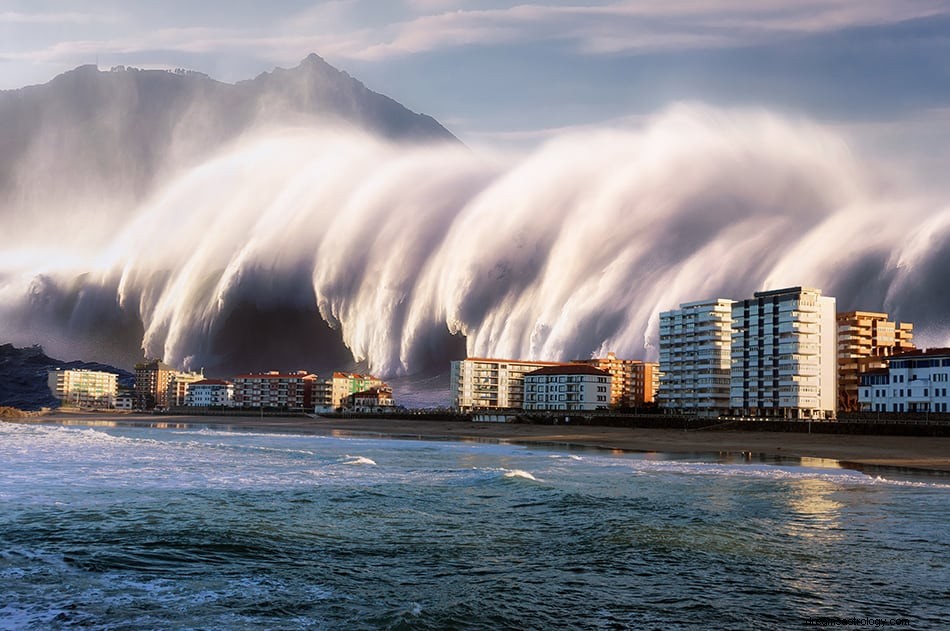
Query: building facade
[[285, 391], [376, 399], [151, 384], [865, 340], [916, 381], [344, 384], [480, 383], [633, 383], [210, 393], [84, 388], [695, 357], [178, 384], [784, 355], [567, 387]]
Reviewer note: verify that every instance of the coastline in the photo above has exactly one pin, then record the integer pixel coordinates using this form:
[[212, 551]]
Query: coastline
[[861, 452]]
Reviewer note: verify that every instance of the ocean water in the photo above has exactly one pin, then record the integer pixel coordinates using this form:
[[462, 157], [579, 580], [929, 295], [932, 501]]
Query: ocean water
[[191, 528]]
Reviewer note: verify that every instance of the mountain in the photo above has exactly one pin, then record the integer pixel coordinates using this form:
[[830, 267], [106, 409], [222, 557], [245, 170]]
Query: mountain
[[122, 131], [23, 371]]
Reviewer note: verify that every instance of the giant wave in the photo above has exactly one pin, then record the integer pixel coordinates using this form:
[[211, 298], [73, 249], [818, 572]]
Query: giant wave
[[568, 251]]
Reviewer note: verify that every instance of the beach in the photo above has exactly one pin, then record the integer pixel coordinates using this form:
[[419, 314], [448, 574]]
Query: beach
[[854, 451]]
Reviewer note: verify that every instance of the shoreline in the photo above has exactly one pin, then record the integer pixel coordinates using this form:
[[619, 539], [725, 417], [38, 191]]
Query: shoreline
[[920, 455]]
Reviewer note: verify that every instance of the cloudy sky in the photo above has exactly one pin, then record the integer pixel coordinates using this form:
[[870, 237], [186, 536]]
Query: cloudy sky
[[511, 71]]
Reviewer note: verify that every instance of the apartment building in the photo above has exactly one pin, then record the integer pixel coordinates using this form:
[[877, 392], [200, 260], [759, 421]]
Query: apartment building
[[151, 384], [286, 391], [865, 340], [916, 381], [567, 387], [84, 388], [695, 361], [633, 383], [344, 384], [483, 383], [178, 384], [784, 351], [210, 393]]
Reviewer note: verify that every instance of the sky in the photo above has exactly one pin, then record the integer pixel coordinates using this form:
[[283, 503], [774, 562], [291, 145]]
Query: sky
[[497, 71]]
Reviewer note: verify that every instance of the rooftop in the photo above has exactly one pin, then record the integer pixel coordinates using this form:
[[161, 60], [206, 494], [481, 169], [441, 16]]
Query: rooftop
[[568, 369]]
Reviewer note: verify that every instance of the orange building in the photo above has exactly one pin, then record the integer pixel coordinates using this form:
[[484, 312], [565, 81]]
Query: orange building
[[633, 382], [865, 340]]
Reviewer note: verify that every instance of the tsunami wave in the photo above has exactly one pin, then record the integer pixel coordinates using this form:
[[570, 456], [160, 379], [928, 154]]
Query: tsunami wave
[[567, 252]]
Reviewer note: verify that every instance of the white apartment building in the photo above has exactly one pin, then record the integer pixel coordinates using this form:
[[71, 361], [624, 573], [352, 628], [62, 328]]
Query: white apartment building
[[84, 388], [210, 393], [784, 350], [480, 383], [918, 381], [567, 387], [695, 360]]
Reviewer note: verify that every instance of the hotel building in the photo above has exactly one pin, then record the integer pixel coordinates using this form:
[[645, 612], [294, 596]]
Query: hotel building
[[480, 383], [178, 384], [916, 381], [784, 353], [286, 391], [633, 383], [84, 388], [567, 387], [865, 340], [695, 368]]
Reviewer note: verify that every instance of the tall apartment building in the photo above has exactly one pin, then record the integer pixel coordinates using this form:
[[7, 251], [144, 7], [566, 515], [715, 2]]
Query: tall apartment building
[[784, 351], [286, 391], [151, 384], [865, 340], [633, 382], [567, 387], [916, 381], [695, 361], [84, 388], [480, 383]]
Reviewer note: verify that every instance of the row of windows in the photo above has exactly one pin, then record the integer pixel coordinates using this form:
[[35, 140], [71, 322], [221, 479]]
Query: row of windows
[[882, 392], [899, 407]]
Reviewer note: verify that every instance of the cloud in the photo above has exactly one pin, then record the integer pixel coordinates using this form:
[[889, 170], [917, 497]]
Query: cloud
[[13, 17]]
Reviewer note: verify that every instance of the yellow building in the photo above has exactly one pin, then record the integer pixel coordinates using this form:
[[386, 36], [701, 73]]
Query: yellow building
[[84, 388], [865, 339]]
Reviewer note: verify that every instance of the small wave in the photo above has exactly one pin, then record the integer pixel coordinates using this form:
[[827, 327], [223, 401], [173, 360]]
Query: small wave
[[519, 473], [358, 460]]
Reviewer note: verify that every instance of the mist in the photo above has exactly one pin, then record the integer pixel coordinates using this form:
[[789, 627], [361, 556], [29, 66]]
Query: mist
[[312, 246]]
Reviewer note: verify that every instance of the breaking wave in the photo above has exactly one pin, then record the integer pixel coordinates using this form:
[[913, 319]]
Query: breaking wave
[[569, 251]]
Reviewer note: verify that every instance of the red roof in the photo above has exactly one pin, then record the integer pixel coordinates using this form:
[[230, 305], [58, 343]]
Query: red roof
[[278, 375], [568, 369], [211, 382]]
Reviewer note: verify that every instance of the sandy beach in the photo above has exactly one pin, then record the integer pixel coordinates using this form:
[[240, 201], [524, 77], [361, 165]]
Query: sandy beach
[[860, 452]]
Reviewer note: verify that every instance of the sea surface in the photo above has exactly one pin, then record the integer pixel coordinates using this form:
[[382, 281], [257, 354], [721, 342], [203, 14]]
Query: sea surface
[[197, 528]]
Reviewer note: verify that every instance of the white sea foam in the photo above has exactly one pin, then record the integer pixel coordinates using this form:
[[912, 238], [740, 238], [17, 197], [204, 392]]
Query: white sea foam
[[519, 473], [356, 460]]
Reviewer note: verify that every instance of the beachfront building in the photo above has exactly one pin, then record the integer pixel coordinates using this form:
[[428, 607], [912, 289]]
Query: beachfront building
[[567, 387], [274, 389], [481, 383], [374, 400], [865, 340], [151, 384], [345, 384], [210, 393], [84, 388], [916, 381], [695, 360], [633, 383], [784, 352], [178, 384]]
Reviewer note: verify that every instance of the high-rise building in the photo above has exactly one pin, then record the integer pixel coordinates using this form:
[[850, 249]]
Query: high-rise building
[[84, 388], [480, 383], [784, 349], [567, 387], [695, 366], [865, 340], [633, 382], [151, 384]]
